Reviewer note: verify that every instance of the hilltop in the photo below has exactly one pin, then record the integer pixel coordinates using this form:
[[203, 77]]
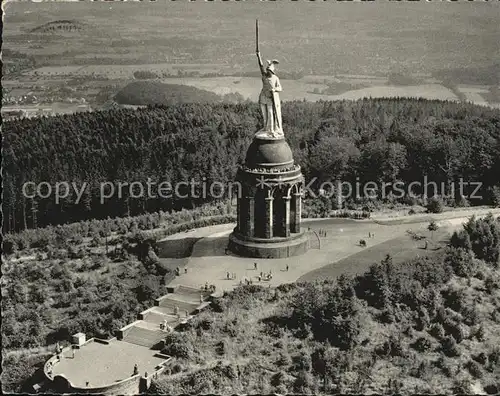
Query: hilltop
[[60, 26], [430, 325], [154, 92]]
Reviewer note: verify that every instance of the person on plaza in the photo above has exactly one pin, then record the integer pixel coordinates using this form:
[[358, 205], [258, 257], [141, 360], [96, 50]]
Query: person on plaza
[[136, 369], [58, 351]]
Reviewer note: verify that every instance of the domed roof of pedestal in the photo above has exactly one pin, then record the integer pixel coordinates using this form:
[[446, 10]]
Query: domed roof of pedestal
[[269, 153]]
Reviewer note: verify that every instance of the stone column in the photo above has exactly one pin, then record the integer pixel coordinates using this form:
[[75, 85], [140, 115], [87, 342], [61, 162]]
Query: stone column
[[250, 215], [297, 208], [286, 217], [242, 215], [268, 225], [238, 215]]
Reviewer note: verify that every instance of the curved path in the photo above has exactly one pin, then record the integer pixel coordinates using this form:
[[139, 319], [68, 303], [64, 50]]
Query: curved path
[[209, 263]]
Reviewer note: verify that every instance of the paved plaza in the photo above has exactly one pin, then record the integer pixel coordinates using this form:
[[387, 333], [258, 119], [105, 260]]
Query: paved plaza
[[210, 263], [102, 364]]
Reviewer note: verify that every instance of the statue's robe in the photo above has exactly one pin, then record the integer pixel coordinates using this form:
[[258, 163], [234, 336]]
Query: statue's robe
[[272, 117]]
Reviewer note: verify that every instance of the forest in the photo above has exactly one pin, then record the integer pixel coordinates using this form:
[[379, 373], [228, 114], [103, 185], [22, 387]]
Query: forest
[[380, 140], [152, 92]]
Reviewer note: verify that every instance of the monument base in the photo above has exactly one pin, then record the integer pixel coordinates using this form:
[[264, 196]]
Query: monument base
[[277, 247], [269, 135]]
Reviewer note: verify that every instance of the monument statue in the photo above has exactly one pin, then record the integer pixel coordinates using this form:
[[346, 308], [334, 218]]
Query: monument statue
[[269, 99]]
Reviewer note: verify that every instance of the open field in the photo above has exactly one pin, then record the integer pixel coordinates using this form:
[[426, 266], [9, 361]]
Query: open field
[[311, 88], [325, 43], [301, 89], [326, 37], [125, 70], [401, 249], [475, 94]]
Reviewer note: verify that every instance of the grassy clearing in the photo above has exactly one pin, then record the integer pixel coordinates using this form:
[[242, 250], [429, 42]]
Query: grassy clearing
[[401, 249]]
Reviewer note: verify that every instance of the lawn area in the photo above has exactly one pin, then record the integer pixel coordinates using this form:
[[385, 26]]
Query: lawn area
[[401, 249]]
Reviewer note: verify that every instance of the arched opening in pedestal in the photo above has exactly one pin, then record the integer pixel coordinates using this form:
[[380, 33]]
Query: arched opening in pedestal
[[278, 215], [260, 215], [295, 208], [281, 213]]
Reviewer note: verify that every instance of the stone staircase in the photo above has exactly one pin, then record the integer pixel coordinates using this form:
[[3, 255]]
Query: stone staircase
[[141, 336], [146, 330]]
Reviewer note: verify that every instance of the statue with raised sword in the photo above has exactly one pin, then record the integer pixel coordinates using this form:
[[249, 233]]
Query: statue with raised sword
[[269, 99]]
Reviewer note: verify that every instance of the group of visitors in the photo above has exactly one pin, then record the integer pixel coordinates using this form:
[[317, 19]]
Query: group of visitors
[[208, 288], [135, 372], [322, 233], [178, 271], [58, 351], [166, 327], [264, 276], [230, 275], [247, 281]]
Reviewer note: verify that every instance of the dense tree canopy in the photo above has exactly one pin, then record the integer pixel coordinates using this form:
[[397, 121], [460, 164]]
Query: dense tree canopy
[[368, 140]]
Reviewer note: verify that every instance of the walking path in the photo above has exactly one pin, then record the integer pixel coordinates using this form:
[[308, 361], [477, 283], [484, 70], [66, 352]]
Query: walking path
[[209, 263]]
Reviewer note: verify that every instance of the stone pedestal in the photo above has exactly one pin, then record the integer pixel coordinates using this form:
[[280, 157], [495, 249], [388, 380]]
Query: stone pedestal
[[269, 209]]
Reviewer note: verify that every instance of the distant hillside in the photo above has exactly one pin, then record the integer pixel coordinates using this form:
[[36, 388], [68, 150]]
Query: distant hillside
[[488, 75], [63, 25], [153, 92]]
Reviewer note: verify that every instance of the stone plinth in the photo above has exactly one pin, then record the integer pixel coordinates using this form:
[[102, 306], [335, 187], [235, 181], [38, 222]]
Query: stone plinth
[[270, 204]]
